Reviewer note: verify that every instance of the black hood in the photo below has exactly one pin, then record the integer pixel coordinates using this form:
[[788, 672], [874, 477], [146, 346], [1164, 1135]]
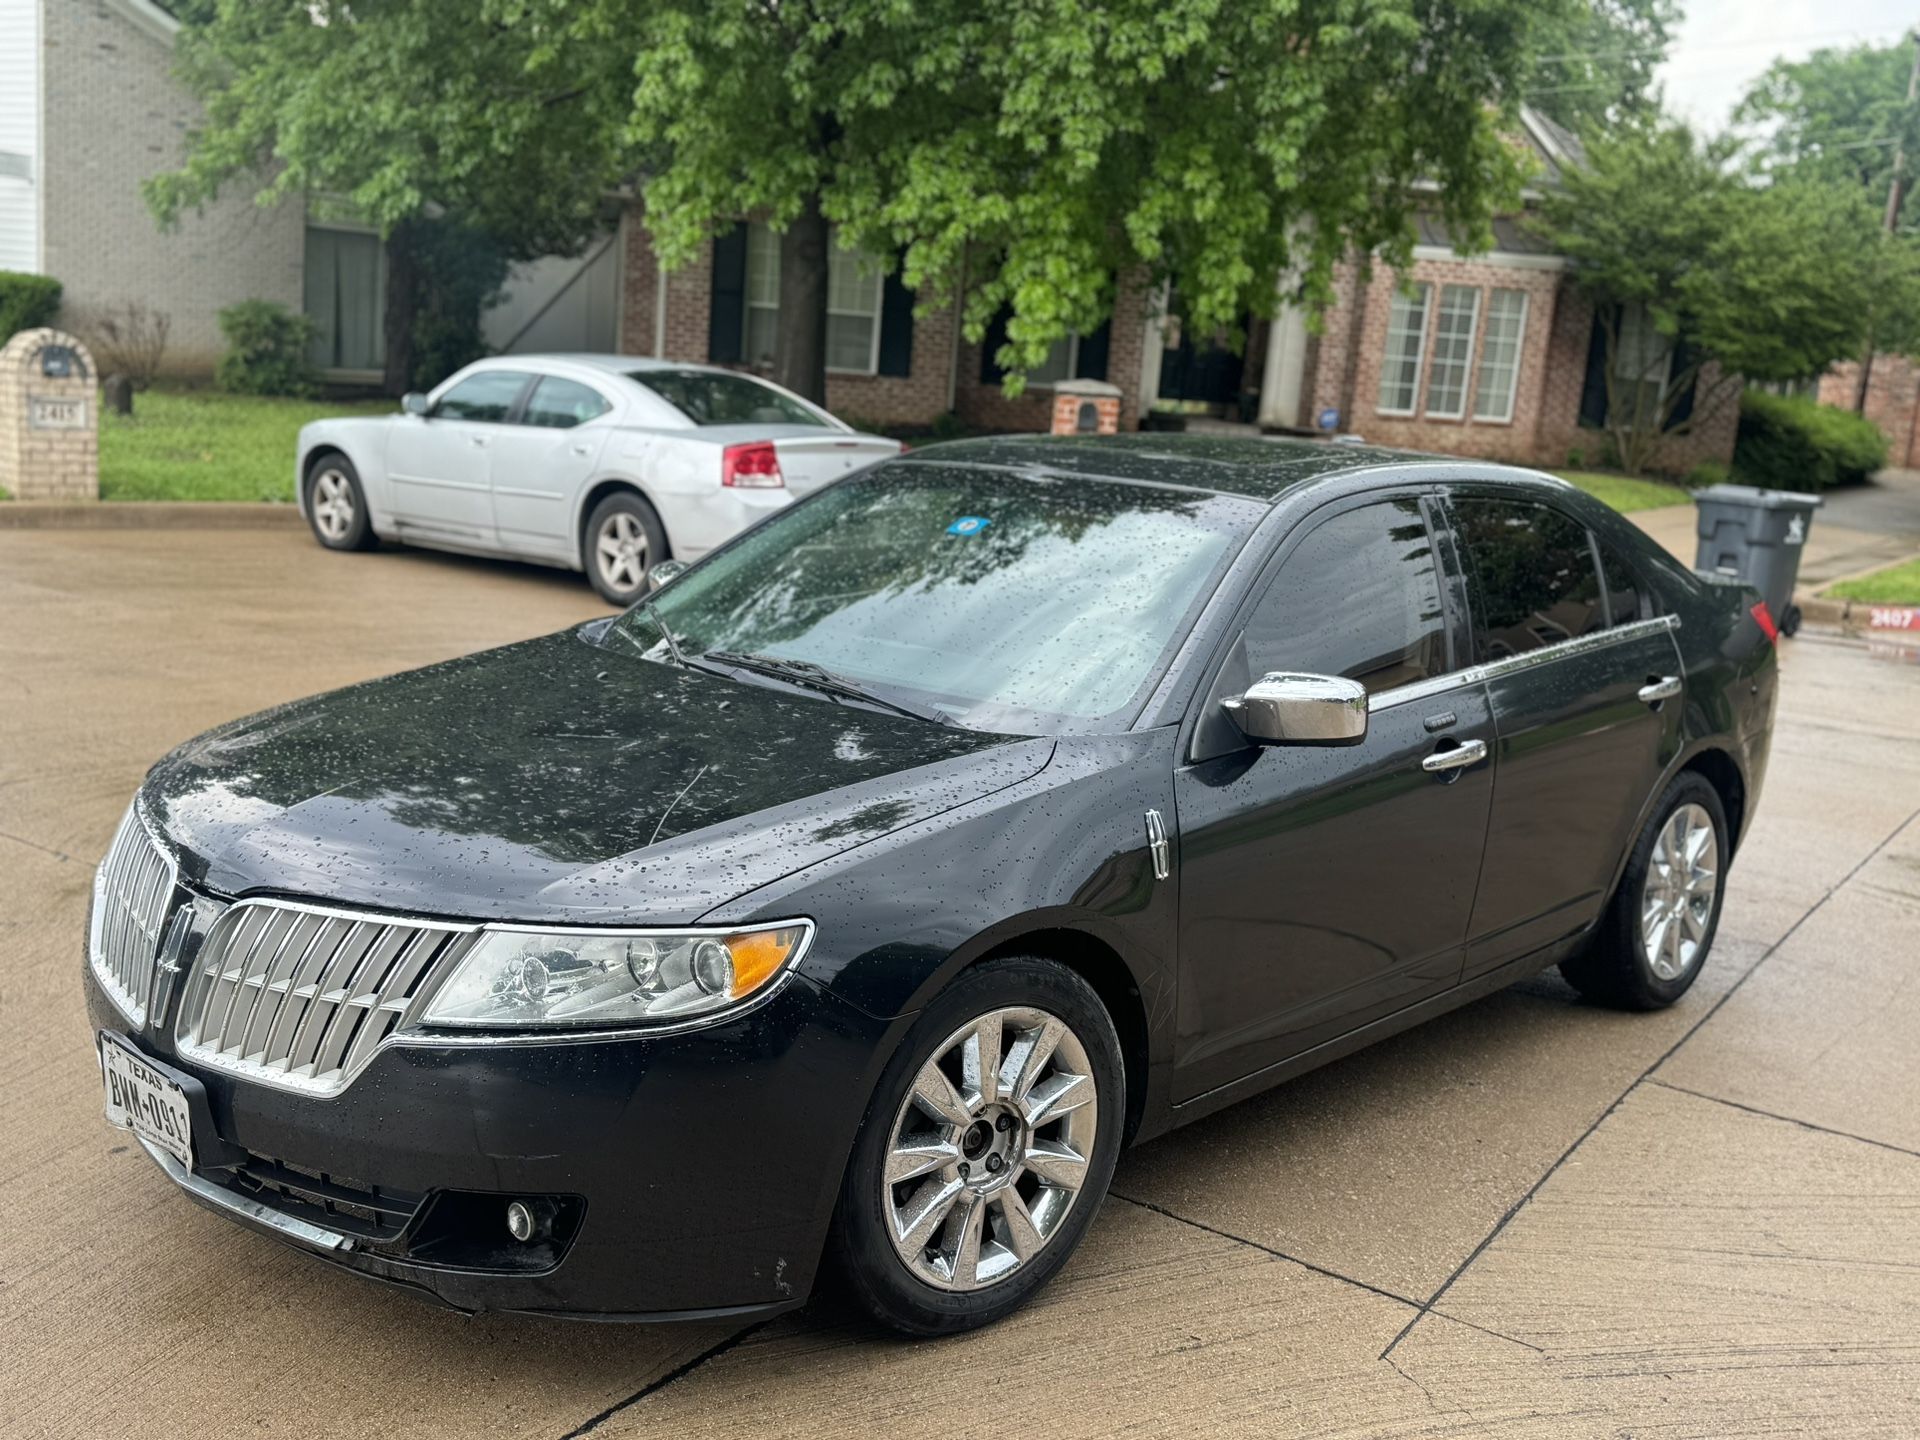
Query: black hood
[[556, 780]]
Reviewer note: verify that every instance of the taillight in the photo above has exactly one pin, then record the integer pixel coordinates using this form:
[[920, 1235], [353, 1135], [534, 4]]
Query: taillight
[[1764, 619], [753, 466]]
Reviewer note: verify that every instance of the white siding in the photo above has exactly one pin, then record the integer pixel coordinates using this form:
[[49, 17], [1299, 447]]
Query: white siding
[[19, 135]]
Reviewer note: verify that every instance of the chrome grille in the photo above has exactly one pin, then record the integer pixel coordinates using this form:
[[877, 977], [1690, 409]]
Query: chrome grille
[[299, 996], [132, 891]]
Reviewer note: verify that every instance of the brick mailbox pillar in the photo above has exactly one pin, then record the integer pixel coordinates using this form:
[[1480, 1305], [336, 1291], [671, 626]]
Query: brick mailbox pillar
[[1086, 407], [49, 418]]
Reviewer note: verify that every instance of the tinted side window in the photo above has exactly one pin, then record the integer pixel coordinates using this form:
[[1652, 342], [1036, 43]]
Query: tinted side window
[[486, 396], [1359, 597], [560, 404], [1628, 598], [1537, 585]]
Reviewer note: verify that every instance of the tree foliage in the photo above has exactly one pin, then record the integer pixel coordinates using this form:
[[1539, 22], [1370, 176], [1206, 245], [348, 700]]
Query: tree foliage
[[1839, 115], [1595, 61], [1758, 282], [1026, 154]]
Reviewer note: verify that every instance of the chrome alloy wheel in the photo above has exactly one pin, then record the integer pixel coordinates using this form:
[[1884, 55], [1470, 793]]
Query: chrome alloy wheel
[[333, 504], [622, 548], [990, 1148], [1677, 900]]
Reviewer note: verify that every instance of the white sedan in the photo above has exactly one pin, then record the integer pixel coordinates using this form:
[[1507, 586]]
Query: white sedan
[[602, 463]]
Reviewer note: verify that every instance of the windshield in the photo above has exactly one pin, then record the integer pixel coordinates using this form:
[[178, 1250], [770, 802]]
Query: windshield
[[1003, 602], [713, 397]]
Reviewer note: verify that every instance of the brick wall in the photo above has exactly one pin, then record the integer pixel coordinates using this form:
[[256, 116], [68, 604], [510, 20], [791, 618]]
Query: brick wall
[[114, 115], [47, 464], [1893, 400]]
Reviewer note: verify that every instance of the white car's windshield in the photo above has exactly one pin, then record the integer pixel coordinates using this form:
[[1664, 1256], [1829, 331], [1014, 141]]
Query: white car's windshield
[[998, 601], [714, 397]]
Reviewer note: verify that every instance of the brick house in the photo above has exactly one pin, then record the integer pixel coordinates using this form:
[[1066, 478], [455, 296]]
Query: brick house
[[1893, 402], [1489, 355]]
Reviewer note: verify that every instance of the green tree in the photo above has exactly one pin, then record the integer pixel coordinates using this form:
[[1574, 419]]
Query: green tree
[[1024, 154], [1840, 115], [1736, 281], [404, 111], [1595, 61]]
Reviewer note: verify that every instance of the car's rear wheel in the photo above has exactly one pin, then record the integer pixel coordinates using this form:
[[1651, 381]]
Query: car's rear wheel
[[986, 1150], [336, 505], [1655, 936], [624, 540]]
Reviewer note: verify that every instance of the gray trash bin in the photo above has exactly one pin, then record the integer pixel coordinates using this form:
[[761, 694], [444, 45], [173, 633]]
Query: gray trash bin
[[1756, 535]]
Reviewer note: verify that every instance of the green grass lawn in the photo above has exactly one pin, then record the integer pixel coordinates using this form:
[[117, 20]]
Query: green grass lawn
[[1623, 492], [202, 445], [1896, 585]]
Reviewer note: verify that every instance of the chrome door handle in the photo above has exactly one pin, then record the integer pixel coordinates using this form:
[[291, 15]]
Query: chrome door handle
[[1457, 757], [1665, 688]]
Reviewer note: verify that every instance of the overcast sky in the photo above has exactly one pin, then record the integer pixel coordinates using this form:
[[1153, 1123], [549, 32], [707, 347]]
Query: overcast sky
[[1724, 45]]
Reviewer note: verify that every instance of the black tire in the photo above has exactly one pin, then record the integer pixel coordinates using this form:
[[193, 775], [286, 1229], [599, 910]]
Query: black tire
[[1615, 968], [628, 511], [336, 505], [1790, 621], [875, 1273]]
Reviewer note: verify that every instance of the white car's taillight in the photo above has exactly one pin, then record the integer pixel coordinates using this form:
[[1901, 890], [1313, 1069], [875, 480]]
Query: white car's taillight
[[753, 466]]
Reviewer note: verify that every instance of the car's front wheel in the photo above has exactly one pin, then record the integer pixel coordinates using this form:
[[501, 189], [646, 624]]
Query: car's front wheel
[[624, 540], [987, 1148], [1653, 939], [336, 505]]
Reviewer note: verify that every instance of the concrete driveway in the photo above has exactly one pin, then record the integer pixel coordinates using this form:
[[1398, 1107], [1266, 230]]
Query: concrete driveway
[[1530, 1218]]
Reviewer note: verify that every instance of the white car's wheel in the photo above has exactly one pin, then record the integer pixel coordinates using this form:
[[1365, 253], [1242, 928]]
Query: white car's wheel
[[336, 505], [623, 541]]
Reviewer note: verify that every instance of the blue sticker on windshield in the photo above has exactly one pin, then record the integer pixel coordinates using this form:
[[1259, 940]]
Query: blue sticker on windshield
[[969, 525]]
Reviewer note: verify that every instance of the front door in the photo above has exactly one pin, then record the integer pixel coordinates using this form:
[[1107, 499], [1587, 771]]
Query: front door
[[437, 464], [538, 467], [1322, 888], [1203, 368], [1567, 661]]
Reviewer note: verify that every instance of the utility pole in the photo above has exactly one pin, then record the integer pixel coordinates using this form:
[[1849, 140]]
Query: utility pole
[[1896, 197]]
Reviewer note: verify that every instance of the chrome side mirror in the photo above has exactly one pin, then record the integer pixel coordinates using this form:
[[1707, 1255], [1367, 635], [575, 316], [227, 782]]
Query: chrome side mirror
[[665, 572], [1284, 709], [414, 403]]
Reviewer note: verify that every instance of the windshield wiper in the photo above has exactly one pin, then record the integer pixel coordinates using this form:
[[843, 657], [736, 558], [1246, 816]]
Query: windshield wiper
[[818, 677], [666, 633]]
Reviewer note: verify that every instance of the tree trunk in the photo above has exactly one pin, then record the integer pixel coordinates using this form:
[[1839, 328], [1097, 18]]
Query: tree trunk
[[397, 320], [800, 348]]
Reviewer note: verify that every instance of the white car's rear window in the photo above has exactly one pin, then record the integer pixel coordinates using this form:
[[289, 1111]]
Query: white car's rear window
[[710, 397]]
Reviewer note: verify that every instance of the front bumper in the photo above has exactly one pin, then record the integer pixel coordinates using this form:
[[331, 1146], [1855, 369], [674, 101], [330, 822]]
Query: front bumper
[[704, 1164]]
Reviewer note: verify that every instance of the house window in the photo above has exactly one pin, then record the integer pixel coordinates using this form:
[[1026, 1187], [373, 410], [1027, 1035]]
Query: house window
[[345, 295], [763, 296], [1406, 347], [854, 287], [1454, 325], [1642, 360], [1062, 358], [1499, 375]]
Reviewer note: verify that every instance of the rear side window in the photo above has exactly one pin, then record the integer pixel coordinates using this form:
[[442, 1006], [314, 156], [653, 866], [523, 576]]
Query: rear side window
[[1360, 598], [486, 396], [1628, 598], [1536, 582], [562, 404]]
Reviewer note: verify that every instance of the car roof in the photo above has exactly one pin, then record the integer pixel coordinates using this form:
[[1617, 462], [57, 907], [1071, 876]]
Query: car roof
[[1258, 468]]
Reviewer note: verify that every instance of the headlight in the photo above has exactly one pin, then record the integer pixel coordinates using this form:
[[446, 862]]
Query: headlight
[[519, 979]]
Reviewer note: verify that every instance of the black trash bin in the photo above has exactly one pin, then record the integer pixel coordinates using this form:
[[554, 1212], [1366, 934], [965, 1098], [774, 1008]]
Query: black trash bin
[[1756, 535]]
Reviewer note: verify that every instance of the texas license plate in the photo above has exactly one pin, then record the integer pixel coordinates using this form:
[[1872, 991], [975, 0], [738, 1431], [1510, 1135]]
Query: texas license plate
[[141, 1099]]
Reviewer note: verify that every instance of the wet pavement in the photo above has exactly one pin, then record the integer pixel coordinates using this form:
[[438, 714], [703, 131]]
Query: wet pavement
[[1529, 1218]]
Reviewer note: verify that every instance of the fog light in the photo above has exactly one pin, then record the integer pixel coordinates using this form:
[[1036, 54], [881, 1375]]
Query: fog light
[[520, 1220]]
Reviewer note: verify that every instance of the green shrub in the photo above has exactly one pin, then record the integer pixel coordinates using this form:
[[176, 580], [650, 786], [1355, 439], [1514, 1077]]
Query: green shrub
[[1707, 472], [26, 302], [1787, 443], [267, 350]]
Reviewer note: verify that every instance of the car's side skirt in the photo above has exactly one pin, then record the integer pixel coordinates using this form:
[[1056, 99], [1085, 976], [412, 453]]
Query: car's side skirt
[[1477, 988]]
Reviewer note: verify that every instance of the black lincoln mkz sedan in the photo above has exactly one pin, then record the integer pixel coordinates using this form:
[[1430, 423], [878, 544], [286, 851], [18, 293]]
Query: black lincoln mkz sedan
[[855, 897]]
